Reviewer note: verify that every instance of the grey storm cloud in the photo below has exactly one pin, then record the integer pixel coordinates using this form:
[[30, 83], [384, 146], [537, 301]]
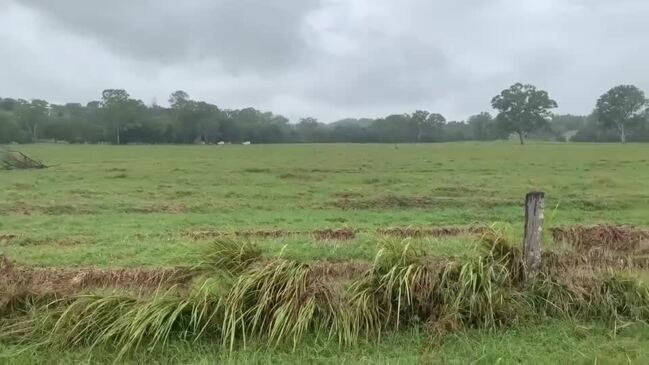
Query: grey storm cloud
[[244, 35], [324, 58]]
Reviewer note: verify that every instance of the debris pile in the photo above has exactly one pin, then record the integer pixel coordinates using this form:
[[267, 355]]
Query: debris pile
[[16, 160]]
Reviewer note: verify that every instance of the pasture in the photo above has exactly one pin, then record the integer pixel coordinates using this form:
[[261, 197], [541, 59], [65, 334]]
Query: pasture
[[156, 209]]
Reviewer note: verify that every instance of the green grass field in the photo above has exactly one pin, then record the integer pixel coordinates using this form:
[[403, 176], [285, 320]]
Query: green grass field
[[136, 206]]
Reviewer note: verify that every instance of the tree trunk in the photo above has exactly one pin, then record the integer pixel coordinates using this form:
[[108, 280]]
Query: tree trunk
[[117, 136], [534, 204], [34, 134], [521, 138], [620, 127]]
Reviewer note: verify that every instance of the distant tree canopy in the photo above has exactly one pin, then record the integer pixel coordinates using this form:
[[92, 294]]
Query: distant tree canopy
[[120, 119], [484, 128], [31, 116], [523, 109]]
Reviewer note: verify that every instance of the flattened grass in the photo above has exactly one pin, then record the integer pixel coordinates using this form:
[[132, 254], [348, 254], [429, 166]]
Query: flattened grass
[[179, 188], [242, 297], [115, 206]]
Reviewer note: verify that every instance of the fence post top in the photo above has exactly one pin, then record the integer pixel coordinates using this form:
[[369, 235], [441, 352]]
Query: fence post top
[[535, 193]]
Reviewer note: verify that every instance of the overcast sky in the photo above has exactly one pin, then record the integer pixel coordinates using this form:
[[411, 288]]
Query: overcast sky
[[328, 59]]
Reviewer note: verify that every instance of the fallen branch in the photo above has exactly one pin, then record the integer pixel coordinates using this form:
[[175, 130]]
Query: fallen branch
[[16, 160]]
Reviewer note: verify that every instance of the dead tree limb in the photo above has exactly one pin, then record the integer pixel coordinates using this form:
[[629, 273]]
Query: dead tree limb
[[16, 160]]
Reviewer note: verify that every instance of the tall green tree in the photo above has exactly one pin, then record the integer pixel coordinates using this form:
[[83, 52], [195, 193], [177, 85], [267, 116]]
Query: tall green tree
[[428, 126], [208, 121], [197, 120], [420, 120], [178, 99], [9, 104], [309, 129], [484, 127], [117, 111], [622, 108], [523, 109], [32, 116], [434, 127], [10, 131]]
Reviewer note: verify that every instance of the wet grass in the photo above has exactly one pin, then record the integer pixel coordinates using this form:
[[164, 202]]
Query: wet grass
[[165, 253], [165, 189], [552, 343], [128, 206], [242, 296]]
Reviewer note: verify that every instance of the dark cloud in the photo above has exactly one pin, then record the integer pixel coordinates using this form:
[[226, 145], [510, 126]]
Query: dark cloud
[[325, 58], [243, 35]]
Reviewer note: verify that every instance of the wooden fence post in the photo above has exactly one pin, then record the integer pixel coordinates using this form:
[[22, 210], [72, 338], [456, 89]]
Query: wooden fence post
[[534, 203]]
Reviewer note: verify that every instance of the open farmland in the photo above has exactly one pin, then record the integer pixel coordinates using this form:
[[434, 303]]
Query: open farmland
[[139, 216]]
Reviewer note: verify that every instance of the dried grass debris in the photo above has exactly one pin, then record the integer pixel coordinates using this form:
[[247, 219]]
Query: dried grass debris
[[16, 160], [418, 232], [341, 234], [611, 237]]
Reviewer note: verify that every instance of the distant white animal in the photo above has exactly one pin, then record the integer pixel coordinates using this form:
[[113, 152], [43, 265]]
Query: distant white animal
[[246, 143], [221, 143]]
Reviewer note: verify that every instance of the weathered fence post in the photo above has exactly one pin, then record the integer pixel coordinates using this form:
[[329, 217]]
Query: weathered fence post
[[534, 203]]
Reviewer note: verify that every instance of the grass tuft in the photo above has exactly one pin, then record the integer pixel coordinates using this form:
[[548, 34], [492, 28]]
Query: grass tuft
[[232, 255], [280, 301], [241, 298]]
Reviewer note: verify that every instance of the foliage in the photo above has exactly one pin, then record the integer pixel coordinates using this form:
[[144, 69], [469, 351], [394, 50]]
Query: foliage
[[523, 109], [277, 301], [622, 108], [129, 206], [10, 130], [485, 128], [246, 188], [31, 115], [231, 255], [120, 119], [119, 112], [130, 322], [594, 131]]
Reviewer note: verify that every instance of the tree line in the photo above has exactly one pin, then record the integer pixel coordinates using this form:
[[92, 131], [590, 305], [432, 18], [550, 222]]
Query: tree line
[[523, 111]]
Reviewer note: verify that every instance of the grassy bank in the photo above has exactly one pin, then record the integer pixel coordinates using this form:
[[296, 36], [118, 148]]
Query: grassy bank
[[159, 207]]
